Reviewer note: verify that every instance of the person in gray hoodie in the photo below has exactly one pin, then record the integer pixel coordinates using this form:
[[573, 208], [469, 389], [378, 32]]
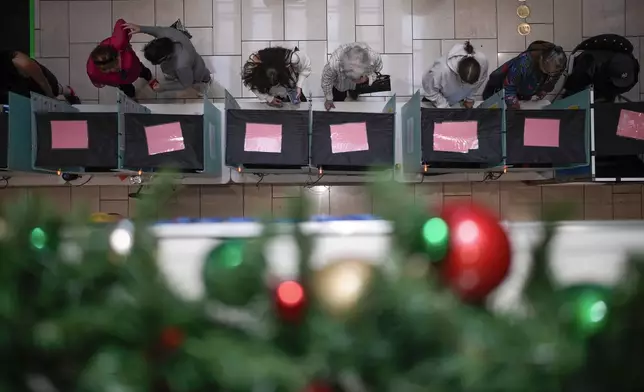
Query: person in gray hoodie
[[171, 48], [455, 78]]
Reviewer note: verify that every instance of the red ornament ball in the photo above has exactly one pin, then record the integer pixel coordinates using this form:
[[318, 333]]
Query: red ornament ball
[[290, 300], [172, 338], [478, 256]]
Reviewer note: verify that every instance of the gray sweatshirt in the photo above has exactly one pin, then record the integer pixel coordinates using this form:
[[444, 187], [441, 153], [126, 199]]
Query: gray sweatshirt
[[186, 65]]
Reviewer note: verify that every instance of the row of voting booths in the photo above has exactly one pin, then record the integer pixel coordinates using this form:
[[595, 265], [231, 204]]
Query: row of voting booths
[[304, 140], [573, 137], [48, 135], [491, 138]]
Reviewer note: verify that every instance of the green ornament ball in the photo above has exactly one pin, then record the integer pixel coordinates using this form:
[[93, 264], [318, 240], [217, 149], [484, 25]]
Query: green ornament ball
[[435, 234], [587, 308], [233, 274]]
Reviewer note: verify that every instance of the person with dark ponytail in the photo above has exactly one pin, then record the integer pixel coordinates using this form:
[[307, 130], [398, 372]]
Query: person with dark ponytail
[[533, 73], [456, 77], [276, 75]]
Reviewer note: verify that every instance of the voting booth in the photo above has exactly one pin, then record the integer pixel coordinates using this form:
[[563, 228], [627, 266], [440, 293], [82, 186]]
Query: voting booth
[[347, 142], [185, 143], [450, 140], [267, 140], [4, 140], [72, 141], [618, 142]]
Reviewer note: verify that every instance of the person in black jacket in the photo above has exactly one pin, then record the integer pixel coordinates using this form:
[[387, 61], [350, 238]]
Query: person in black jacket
[[607, 63]]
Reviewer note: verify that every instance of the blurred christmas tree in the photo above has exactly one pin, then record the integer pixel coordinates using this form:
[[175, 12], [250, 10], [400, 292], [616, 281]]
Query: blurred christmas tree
[[84, 308]]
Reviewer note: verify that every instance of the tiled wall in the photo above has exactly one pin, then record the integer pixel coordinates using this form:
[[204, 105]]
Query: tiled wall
[[511, 201], [410, 33]]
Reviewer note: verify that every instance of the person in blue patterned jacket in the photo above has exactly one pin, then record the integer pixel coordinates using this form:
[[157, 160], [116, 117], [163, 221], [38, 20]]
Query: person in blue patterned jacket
[[534, 72]]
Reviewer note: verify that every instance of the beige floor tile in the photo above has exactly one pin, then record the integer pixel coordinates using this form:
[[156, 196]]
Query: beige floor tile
[[57, 196], [287, 191], [350, 199], [463, 199], [627, 188], [222, 201], [257, 201], [282, 207], [120, 207], [185, 202], [598, 202], [488, 195], [457, 188], [319, 199], [118, 192], [627, 206], [87, 196], [520, 202], [566, 199], [429, 195]]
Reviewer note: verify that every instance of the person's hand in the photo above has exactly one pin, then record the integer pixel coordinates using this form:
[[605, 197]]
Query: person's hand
[[541, 95], [362, 80], [299, 92], [276, 102], [328, 105], [468, 104], [132, 28]]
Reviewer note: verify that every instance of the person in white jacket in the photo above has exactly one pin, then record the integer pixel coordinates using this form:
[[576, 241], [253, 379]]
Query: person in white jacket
[[456, 77], [276, 75]]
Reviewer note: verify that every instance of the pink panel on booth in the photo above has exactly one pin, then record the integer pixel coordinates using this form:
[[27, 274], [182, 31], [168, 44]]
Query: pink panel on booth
[[541, 132], [263, 138], [69, 135], [457, 136], [631, 124], [349, 137], [164, 138]]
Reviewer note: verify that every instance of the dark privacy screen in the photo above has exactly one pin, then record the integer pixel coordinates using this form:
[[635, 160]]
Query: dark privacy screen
[[88, 140], [4, 139], [462, 137], [352, 141], [157, 141], [531, 139], [267, 138]]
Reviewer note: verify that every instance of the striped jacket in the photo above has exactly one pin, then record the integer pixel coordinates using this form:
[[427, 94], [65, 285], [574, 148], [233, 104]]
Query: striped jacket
[[332, 75]]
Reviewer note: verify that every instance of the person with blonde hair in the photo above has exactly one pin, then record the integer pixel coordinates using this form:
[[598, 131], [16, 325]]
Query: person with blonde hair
[[456, 77], [350, 65]]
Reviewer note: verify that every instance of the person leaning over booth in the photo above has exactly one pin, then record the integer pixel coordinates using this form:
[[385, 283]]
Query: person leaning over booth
[[20, 74], [171, 48], [455, 77], [533, 73], [349, 66], [114, 63], [274, 74], [607, 63]]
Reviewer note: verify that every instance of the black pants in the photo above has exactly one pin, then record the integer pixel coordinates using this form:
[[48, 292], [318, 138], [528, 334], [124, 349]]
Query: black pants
[[340, 96], [129, 89]]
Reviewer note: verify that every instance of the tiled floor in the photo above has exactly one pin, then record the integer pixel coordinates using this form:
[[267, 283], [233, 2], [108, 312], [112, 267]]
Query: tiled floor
[[511, 201], [411, 34]]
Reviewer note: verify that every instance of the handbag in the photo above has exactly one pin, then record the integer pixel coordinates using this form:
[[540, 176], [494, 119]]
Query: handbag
[[382, 83]]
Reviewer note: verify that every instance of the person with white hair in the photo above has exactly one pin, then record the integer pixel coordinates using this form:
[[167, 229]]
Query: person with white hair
[[349, 66]]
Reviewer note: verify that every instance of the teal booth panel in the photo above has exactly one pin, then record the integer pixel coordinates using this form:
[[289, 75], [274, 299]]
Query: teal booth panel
[[125, 105], [213, 139], [21, 142], [410, 136], [581, 100]]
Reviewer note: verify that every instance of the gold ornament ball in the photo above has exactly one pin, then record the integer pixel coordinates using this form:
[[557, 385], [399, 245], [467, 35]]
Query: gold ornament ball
[[341, 285], [523, 11], [524, 29]]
